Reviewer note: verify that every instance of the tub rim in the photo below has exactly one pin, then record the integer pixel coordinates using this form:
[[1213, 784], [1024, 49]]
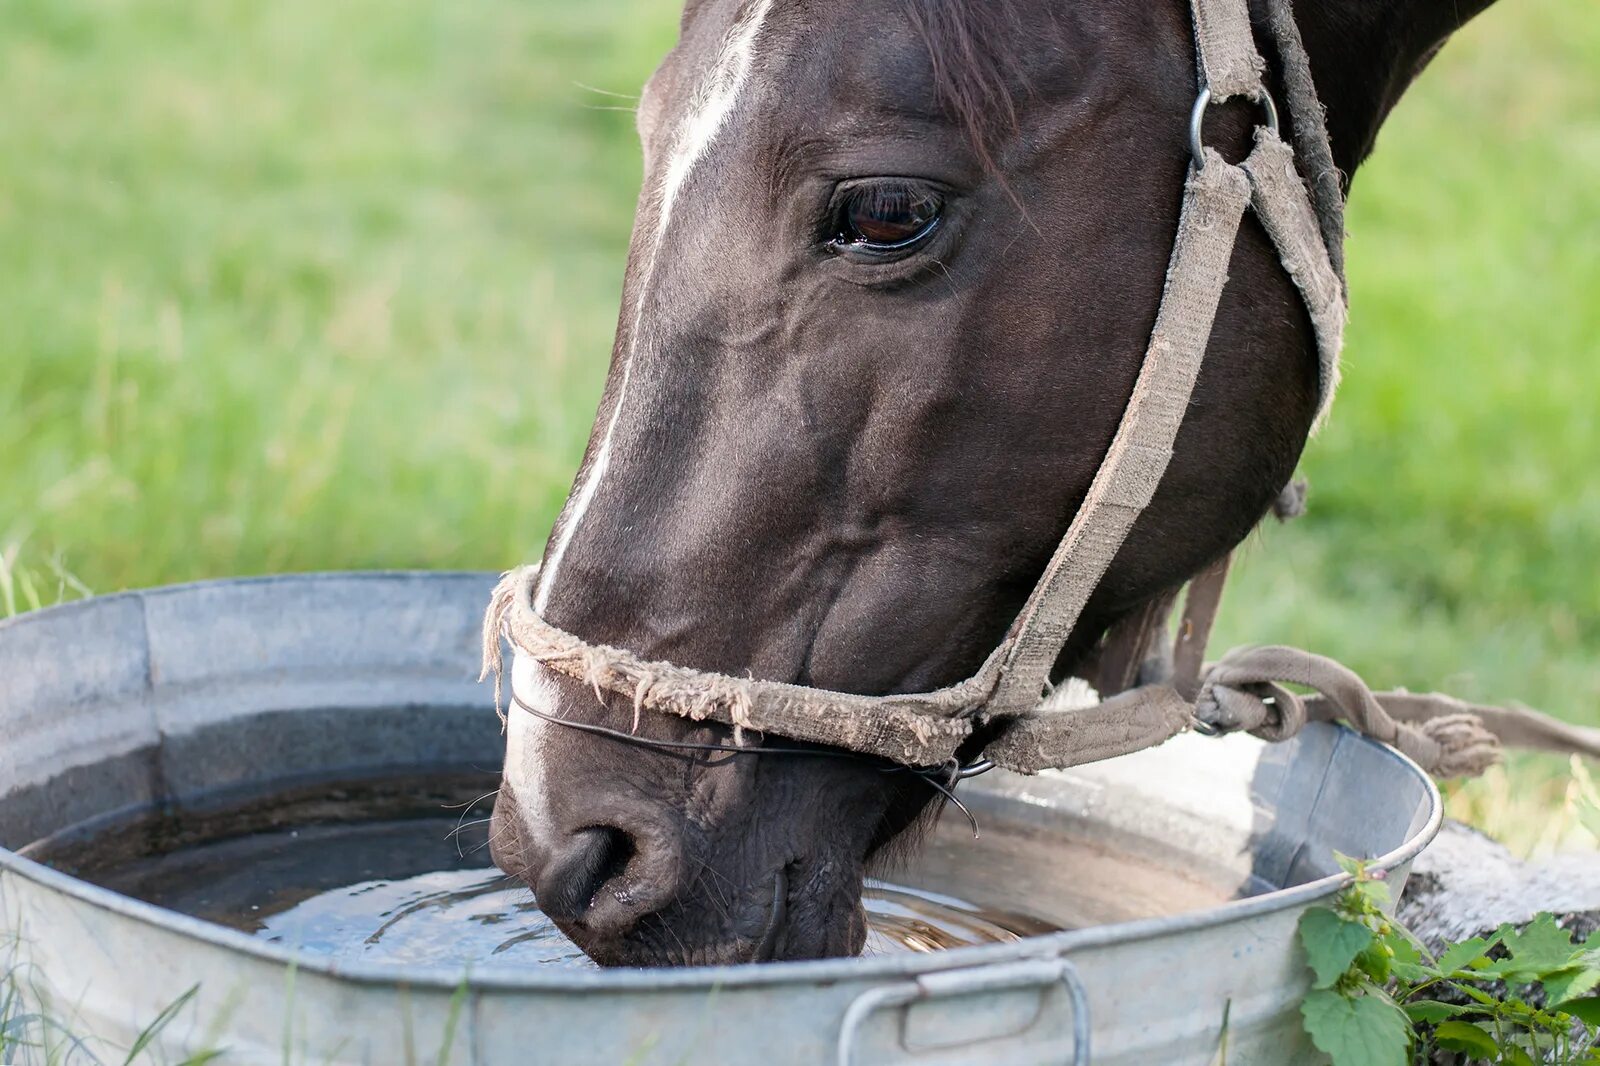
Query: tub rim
[[508, 979]]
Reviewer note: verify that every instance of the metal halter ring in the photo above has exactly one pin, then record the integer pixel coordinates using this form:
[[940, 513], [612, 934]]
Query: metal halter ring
[[1197, 121], [974, 769]]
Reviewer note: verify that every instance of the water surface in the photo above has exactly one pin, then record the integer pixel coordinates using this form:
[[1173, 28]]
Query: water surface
[[403, 875]]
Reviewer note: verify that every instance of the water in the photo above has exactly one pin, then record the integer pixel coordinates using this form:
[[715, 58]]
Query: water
[[476, 916], [448, 916], [399, 872]]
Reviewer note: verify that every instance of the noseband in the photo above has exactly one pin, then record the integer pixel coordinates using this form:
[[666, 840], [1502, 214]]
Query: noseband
[[941, 779], [1009, 700]]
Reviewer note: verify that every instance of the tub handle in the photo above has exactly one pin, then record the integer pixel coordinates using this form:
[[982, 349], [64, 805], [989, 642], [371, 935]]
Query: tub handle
[[944, 984]]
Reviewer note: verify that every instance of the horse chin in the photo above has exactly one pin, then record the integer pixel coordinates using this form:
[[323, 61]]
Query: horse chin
[[799, 919], [837, 933], [815, 914], [825, 917]]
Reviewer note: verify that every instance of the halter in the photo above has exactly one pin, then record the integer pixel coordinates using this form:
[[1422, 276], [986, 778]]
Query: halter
[[942, 779], [1010, 698]]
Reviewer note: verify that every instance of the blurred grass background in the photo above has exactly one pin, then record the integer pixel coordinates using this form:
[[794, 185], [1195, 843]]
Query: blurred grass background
[[311, 285]]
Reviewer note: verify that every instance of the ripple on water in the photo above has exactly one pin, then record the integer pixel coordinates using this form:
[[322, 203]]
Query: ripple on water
[[453, 917]]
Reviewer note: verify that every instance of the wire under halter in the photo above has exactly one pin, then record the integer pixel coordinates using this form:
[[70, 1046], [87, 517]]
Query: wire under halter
[[942, 779]]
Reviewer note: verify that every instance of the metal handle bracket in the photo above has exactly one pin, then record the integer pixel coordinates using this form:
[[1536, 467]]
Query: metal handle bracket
[[975, 980]]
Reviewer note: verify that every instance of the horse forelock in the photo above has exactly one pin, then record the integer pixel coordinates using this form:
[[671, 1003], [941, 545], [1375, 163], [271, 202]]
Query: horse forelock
[[969, 55]]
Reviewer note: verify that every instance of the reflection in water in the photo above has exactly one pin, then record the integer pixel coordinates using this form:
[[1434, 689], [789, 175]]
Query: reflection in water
[[907, 919], [477, 916], [449, 916]]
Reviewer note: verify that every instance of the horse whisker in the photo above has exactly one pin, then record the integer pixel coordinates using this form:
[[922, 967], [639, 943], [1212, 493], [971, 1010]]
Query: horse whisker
[[604, 92], [466, 825], [470, 803]]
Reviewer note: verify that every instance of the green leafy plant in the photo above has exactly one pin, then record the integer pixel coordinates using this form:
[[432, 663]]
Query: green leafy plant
[[1380, 998]]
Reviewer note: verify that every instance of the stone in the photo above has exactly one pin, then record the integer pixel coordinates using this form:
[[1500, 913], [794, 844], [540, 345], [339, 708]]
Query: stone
[[1467, 885]]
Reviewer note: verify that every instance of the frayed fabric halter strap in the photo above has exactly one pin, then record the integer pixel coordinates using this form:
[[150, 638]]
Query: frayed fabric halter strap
[[914, 730], [1009, 699], [1244, 691]]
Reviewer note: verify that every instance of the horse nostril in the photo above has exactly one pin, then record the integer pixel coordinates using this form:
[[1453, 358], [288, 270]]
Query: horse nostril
[[566, 887]]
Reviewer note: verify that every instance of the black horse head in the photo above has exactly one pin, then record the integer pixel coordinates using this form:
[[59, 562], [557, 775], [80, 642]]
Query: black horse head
[[894, 270]]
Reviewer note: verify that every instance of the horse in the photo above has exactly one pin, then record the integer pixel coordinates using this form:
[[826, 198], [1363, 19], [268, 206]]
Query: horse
[[893, 271]]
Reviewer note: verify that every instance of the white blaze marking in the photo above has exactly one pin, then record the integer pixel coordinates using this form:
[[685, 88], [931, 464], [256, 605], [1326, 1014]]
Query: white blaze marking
[[525, 745], [713, 102]]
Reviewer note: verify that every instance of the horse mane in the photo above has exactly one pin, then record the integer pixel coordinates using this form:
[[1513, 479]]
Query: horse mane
[[972, 77]]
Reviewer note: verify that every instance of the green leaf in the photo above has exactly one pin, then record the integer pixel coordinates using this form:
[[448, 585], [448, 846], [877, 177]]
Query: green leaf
[[1430, 1011], [1407, 965], [1332, 943], [1543, 947], [1570, 984], [1460, 956], [1509, 970], [1368, 1030], [1410, 973], [1374, 962], [1356, 868], [1538, 951], [1586, 1010], [1466, 1037], [1376, 893]]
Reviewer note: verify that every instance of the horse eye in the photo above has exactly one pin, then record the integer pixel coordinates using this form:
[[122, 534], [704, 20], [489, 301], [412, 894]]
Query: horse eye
[[885, 216]]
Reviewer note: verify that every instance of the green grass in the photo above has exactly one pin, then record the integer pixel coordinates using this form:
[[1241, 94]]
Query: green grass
[[300, 285], [314, 285]]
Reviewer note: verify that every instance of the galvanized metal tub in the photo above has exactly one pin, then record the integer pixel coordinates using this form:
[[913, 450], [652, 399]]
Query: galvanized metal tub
[[175, 694]]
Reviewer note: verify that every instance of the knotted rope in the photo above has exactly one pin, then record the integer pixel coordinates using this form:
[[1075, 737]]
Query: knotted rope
[[1246, 691]]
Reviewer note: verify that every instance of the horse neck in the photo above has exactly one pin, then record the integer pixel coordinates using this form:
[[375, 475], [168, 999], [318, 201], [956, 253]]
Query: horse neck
[[1364, 55]]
